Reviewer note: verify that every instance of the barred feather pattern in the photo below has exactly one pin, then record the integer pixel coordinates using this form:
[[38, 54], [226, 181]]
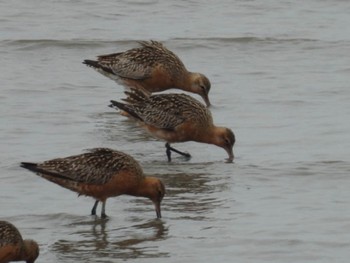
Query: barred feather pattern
[[167, 111], [9, 235], [138, 63], [97, 166]]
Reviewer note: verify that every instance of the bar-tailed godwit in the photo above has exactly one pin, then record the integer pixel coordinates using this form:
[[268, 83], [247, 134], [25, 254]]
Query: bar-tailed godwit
[[152, 67], [13, 247], [176, 118], [101, 173]]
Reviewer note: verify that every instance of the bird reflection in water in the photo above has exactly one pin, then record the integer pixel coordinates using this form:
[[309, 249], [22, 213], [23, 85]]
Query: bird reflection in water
[[101, 241], [193, 195]]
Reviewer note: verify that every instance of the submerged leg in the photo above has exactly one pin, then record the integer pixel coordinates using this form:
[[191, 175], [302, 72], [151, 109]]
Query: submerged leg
[[93, 211], [169, 149], [103, 210]]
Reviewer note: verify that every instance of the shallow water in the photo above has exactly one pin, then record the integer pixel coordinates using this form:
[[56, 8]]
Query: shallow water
[[280, 79]]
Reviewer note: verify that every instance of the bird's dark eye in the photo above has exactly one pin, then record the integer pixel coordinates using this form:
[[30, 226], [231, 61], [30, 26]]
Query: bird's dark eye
[[203, 88]]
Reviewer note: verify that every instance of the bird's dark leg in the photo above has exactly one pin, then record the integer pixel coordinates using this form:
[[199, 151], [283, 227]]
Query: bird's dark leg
[[169, 149], [93, 211], [103, 212]]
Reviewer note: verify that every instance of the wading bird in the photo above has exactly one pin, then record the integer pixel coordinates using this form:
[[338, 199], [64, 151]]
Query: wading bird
[[101, 173], [13, 247], [175, 118], [152, 67]]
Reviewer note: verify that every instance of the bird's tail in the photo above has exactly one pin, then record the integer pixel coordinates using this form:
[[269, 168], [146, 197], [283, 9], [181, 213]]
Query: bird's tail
[[54, 177], [30, 166], [100, 68], [129, 109], [34, 167], [137, 95], [91, 63]]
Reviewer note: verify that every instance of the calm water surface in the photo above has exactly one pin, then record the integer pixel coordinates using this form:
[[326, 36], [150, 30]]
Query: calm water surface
[[280, 76]]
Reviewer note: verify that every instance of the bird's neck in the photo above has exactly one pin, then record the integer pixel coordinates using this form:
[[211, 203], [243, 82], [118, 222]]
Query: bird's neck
[[144, 188], [209, 135]]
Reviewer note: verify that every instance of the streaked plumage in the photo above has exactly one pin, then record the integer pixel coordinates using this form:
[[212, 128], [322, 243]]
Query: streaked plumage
[[176, 118], [152, 67], [101, 173], [13, 247]]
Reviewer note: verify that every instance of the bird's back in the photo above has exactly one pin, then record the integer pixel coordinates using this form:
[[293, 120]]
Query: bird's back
[[139, 63], [165, 111], [97, 166], [9, 235]]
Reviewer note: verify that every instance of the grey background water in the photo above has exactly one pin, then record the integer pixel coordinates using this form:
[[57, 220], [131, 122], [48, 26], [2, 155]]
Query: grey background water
[[280, 74]]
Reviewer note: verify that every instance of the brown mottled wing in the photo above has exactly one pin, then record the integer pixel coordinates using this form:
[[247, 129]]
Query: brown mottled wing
[[167, 111], [95, 167], [9, 234], [138, 63], [135, 63], [127, 65], [168, 59]]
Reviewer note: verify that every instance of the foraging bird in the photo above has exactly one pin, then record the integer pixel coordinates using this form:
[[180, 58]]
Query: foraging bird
[[101, 173], [13, 247], [175, 118], [152, 67]]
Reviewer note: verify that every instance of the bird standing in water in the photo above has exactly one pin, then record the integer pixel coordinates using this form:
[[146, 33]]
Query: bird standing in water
[[101, 173], [175, 118], [152, 67], [13, 247]]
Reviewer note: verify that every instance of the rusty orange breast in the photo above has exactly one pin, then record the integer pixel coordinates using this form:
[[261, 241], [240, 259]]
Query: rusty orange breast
[[9, 252], [124, 182], [159, 80]]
